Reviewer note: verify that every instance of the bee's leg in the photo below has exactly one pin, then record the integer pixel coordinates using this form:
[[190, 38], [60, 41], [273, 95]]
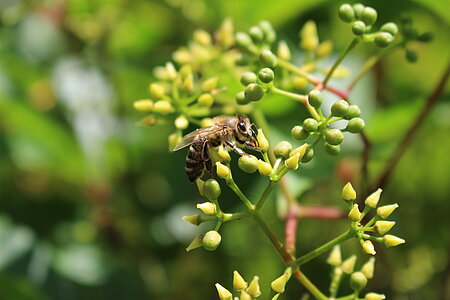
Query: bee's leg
[[252, 146], [235, 149]]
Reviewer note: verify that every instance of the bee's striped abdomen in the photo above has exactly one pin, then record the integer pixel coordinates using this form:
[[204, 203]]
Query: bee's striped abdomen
[[195, 161]]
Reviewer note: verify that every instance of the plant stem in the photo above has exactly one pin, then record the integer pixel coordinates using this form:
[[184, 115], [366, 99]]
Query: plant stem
[[230, 182], [309, 286], [302, 98], [235, 216], [269, 188], [341, 57]]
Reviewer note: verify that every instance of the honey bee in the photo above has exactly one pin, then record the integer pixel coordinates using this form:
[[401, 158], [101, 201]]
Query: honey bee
[[233, 132]]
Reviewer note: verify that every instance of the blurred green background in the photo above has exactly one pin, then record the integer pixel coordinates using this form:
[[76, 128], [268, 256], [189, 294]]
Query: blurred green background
[[91, 204]]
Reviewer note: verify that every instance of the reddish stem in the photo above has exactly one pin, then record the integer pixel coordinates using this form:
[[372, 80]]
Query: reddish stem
[[291, 229], [315, 212]]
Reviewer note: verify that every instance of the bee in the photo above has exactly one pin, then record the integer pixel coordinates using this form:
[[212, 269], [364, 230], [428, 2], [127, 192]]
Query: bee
[[233, 132]]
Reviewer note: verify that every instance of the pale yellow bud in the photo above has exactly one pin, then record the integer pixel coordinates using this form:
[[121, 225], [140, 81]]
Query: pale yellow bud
[[205, 99], [335, 258], [374, 296], [324, 49], [185, 71], [182, 56], [188, 83], [254, 289], [202, 37], [262, 140], [387, 210], [147, 121], [299, 83], [193, 219], [392, 240], [181, 122], [210, 84], [368, 247], [264, 168], [372, 199], [225, 34], [200, 185], [384, 226], [292, 162], [173, 139], [222, 170], [144, 105], [279, 284], [300, 150], [348, 192], [354, 214], [368, 268], [207, 122], [156, 90], [207, 207], [171, 71], [224, 294], [224, 154], [349, 264], [239, 283], [283, 51], [160, 73], [163, 107], [245, 296], [308, 34], [197, 242]]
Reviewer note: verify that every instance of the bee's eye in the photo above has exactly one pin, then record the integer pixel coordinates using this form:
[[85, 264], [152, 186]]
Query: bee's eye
[[241, 126]]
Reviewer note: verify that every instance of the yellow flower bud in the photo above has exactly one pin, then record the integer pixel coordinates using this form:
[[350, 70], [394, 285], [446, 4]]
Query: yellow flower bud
[[147, 121], [324, 49], [173, 139], [185, 71], [368, 247], [349, 264], [181, 122], [223, 154], [292, 162], [156, 90], [207, 122], [384, 226], [348, 192], [224, 294], [283, 51], [308, 34], [144, 105], [279, 284], [374, 296], [354, 214], [200, 186], [372, 199], [225, 34], [182, 56], [163, 107], [392, 240], [210, 84], [202, 37], [245, 296], [299, 83], [197, 242], [171, 71], [160, 73], [254, 289], [300, 150], [188, 83], [262, 140], [264, 168], [368, 268], [222, 170], [387, 210], [239, 283], [193, 219], [335, 258], [205, 99], [207, 207]]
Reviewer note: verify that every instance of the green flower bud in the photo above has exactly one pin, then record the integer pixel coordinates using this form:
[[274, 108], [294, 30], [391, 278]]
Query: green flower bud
[[368, 247], [310, 125], [374, 296], [335, 258], [358, 28], [197, 242], [239, 283], [332, 150], [267, 59], [156, 90], [205, 99], [358, 281], [279, 284], [369, 16], [299, 83], [349, 265], [194, 219], [372, 199], [254, 289], [283, 51], [254, 92], [309, 154], [348, 192], [163, 107], [262, 140], [266, 75], [185, 71], [224, 294], [355, 125], [144, 105], [282, 149], [256, 34], [315, 98], [211, 189], [368, 268], [243, 41], [292, 162], [339, 108], [387, 210], [269, 34], [411, 55], [355, 214], [242, 60], [181, 122], [390, 27], [358, 9], [248, 163], [248, 77], [188, 83], [392, 240], [222, 170], [353, 112], [299, 133], [211, 240], [308, 35], [240, 98], [346, 13], [173, 140], [207, 207], [383, 39], [147, 121], [324, 49], [264, 168], [425, 37], [334, 136]]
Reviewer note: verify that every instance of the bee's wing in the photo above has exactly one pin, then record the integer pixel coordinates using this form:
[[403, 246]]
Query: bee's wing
[[188, 139]]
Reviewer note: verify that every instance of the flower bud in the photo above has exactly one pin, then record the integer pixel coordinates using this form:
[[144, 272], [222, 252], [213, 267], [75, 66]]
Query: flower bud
[[147, 121], [211, 189], [253, 92], [358, 28], [241, 100], [202, 37], [390, 27], [207, 207], [239, 283], [182, 56], [188, 83], [224, 35], [256, 34], [339, 108], [206, 122], [358, 281], [315, 98], [349, 264], [358, 9], [205, 99], [354, 214], [392, 240], [332, 150], [269, 34], [163, 107], [266, 75], [300, 150], [325, 48], [292, 162], [374, 296], [200, 186], [267, 59], [156, 90], [425, 37], [334, 136], [143, 105], [171, 71], [387, 210], [368, 247], [174, 139], [197, 242], [224, 294], [211, 240], [222, 170], [244, 296], [254, 289], [369, 16], [283, 51], [355, 125], [248, 163], [299, 133], [262, 140], [210, 84], [383, 39], [346, 13], [368, 268], [243, 41], [372, 199], [223, 154], [353, 112], [335, 258], [310, 125], [299, 83], [264, 168], [279, 284], [282, 149], [181, 122], [248, 77], [193, 219], [411, 55], [308, 35], [309, 154], [348, 192]]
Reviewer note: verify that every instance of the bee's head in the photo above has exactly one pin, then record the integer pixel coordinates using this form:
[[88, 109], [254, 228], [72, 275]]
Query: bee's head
[[244, 129]]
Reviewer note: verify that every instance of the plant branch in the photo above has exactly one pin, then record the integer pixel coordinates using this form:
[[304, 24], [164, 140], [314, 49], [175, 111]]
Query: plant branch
[[338, 61]]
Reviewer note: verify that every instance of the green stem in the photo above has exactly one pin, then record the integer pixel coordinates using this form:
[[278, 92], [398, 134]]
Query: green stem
[[341, 57], [302, 98], [269, 188], [310, 286], [230, 182], [235, 216], [335, 282]]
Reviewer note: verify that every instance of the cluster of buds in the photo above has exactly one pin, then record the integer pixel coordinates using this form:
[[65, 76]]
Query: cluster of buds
[[410, 34], [251, 291], [377, 225], [357, 277]]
